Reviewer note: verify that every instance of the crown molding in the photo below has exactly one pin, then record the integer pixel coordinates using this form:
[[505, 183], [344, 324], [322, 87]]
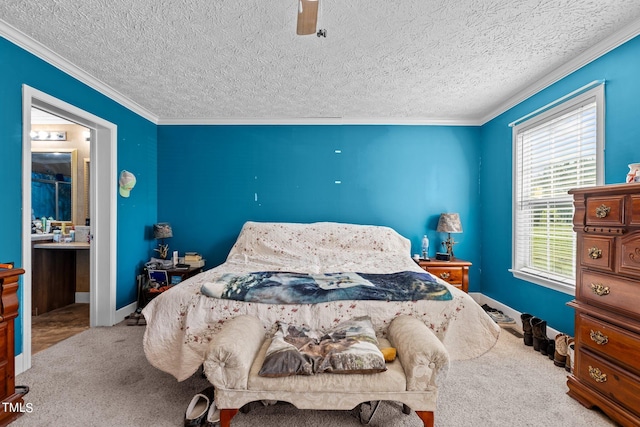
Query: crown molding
[[322, 121], [41, 51], [591, 54]]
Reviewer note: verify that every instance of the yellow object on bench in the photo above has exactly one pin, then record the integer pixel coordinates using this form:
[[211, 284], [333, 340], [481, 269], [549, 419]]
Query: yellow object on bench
[[389, 354]]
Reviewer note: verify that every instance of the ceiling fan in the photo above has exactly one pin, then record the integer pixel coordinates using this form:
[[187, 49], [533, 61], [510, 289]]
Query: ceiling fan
[[308, 18]]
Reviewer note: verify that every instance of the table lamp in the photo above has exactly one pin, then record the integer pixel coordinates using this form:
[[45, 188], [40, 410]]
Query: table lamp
[[449, 223], [162, 231]]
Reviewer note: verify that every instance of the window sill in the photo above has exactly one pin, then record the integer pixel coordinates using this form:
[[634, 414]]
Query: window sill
[[543, 281]]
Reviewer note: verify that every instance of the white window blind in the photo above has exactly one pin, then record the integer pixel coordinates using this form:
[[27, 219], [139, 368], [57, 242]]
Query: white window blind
[[553, 153]]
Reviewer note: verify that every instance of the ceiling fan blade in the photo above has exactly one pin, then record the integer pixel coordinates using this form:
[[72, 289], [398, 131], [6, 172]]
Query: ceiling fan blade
[[307, 17]]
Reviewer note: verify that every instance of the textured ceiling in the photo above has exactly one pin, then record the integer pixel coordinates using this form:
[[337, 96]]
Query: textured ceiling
[[413, 60]]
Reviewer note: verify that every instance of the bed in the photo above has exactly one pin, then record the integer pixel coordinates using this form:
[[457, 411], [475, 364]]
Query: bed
[[182, 321]]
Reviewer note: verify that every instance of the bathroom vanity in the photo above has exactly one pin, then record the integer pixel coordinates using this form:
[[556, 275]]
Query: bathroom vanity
[[60, 270]]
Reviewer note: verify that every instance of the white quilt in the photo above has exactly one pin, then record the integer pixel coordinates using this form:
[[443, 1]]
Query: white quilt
[[181, 321]]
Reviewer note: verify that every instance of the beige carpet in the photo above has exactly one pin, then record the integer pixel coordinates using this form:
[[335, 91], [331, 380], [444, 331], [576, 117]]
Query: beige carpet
[[101, 378]]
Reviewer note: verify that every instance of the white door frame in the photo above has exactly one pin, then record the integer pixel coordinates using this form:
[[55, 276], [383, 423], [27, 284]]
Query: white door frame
[[103, 269]]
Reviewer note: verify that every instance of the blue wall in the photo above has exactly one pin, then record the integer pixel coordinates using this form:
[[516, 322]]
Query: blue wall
[[398, 176], [621, 69], [203, 179], [137, 142]]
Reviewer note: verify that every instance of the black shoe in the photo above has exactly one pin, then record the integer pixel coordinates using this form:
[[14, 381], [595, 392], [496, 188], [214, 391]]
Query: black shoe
[[539, 330], [213, 416], [526, 329], [22, 389], [551, 349], [544, 345], [198, 408]]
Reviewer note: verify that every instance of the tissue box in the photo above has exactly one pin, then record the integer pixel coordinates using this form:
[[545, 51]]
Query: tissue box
[[82, 233]]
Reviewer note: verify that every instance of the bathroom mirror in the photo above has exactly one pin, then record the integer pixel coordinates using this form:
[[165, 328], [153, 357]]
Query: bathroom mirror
[[53, 184]]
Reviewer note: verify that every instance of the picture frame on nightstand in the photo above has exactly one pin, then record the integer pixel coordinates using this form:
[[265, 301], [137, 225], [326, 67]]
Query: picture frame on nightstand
[[443, 256]]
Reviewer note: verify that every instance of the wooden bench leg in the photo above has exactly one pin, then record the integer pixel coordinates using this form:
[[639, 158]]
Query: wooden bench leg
[[425, 416], [226, 415]]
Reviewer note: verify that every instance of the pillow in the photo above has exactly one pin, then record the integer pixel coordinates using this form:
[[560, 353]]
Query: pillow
[[349, 348], [289, 352], [352, 348]]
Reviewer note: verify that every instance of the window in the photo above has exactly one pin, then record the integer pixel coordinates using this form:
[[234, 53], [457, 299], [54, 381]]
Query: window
[[554, 152]]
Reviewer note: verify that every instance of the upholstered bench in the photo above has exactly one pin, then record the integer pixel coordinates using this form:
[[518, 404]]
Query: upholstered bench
[[236, 354]]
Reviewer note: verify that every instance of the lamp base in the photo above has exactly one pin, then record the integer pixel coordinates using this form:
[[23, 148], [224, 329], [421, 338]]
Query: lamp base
[[163, 250], [448, 244]]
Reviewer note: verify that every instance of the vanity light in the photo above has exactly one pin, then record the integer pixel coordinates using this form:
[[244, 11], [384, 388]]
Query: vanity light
[[48, 136]]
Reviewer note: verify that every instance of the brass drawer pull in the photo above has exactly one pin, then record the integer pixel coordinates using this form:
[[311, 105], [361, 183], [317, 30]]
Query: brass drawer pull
[[597, 375], [445, 275], [595, 253], [598, 337], [602, 211], [600, 289]]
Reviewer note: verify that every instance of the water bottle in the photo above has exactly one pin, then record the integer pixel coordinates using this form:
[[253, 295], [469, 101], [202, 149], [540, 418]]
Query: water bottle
[[425, 247]]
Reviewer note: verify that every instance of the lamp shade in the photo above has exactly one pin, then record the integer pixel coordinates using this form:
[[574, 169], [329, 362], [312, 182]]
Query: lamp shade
[[162, 230], [449, 223]]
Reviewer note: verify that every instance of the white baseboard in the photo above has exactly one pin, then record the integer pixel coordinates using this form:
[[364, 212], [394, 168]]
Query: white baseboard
[[483, 299], [122, 313], [83, 297]]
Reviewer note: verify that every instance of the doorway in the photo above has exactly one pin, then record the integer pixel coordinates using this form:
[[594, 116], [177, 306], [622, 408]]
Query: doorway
[[60, 199], [102, 205]]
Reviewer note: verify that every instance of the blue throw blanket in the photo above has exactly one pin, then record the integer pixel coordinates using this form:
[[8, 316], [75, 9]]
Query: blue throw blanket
[[277, 287]]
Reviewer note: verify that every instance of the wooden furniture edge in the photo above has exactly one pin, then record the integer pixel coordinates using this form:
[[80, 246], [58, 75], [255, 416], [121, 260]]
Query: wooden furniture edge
[[226, 415]]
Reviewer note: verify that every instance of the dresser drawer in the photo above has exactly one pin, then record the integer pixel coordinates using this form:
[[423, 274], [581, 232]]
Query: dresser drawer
[[610, 380], [597, 251], [611, 292], [607, 210], [629, 254], [610, 340], [634, 215], [450, 275]]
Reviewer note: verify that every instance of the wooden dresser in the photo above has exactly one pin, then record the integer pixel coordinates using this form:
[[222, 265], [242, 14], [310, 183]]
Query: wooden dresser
[[455, 272], [12, 401], [607, 303]]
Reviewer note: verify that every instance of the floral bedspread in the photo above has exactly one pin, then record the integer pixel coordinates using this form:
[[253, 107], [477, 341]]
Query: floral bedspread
[[182, 321]]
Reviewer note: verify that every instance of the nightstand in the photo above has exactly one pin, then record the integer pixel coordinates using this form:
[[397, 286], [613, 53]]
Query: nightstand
[[178, 275], [455, 272], [174, 276]]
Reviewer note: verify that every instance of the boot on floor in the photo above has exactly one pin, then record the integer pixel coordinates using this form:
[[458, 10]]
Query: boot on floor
[[551, 349], [526, 328], [560, 356], [544, 346], [570, 355], [539, 330]]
